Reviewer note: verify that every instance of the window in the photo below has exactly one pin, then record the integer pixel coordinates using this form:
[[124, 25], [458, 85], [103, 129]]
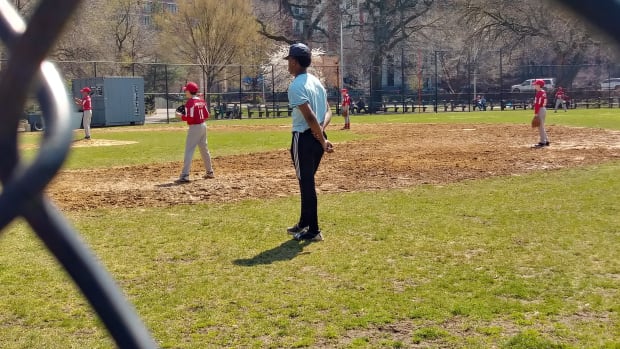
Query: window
[[298, 11], [298, 27], [146, 20]]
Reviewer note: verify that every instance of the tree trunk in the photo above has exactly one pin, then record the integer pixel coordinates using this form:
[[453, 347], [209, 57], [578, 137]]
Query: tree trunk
[[376, 78]]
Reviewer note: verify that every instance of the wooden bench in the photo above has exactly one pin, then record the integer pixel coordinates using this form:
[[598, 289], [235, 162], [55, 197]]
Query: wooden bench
[[386, 107], [278, 111], [255, 109], [515, 105], [457, 104]]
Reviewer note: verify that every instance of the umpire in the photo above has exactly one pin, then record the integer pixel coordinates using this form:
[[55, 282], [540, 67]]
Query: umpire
[[311, 114]]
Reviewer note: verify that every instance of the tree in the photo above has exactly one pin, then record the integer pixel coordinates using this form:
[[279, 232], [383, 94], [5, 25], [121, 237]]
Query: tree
[[131, 36], [292, 21], [380, 27], [384, 26], [550, 34], [211, 33], [117, 33]]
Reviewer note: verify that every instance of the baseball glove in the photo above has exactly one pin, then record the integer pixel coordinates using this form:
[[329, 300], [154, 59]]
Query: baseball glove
[[181, 110], [535, 121]]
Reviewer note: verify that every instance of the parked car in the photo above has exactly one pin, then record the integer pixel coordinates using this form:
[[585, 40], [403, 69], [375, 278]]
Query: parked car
[[611, 84], [528, 85]]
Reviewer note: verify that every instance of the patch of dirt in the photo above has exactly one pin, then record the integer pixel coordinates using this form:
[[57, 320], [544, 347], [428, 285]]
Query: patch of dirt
[[397, 156], [81, 143], [99, 143]]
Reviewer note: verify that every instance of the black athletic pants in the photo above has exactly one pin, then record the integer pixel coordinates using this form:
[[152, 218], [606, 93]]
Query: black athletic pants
[[306, 152]]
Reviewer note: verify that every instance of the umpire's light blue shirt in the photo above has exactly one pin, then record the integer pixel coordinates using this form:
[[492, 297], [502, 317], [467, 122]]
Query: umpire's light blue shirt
[[306, 88]]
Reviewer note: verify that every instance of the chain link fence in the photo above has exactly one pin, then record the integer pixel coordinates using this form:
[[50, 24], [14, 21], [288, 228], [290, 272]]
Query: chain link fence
[[432, 81]]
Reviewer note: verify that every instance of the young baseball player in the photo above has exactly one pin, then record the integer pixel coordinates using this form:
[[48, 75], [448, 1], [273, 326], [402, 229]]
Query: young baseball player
[[560, 99], [540, 111], [195, 114], [87, 110], [311, 114], [346, 105]]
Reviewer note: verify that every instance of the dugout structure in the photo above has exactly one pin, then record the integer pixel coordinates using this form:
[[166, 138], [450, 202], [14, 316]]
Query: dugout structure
[[117, 101]]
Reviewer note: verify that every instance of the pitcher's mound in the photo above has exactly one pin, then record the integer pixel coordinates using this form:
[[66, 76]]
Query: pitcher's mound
[[99, 143]]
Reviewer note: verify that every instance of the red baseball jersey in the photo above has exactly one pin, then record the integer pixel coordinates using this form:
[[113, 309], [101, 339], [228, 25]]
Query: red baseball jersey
[[86, 103], [540, 101], [196, 111], [346, 100]]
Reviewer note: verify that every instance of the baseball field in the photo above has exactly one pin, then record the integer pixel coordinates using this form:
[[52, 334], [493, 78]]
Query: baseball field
[[441, 231]]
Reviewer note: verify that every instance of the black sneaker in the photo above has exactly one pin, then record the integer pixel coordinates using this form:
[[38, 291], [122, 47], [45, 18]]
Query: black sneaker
[[317, 236], [182, 180], [296, 229], [540, 145]]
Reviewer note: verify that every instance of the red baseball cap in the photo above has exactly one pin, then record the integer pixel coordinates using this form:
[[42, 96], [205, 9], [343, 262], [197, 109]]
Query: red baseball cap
[[191, 86], [540, 83], [344, 90], [85, 89]]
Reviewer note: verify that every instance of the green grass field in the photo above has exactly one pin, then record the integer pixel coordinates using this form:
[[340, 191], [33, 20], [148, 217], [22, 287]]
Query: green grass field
[[476, 264]]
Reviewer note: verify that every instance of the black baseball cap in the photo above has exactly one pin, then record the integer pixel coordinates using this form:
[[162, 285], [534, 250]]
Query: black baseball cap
[[298, 50]]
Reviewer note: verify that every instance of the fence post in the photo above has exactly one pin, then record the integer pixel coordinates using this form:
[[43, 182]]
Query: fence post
[[273, 88], [501, 83], [371, 103], [95, 68], [167, 94]]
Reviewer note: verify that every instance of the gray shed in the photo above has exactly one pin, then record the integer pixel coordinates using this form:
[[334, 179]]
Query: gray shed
[[116, 100]]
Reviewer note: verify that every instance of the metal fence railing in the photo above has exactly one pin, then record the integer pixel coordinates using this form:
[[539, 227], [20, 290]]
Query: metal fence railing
[[23, 185]]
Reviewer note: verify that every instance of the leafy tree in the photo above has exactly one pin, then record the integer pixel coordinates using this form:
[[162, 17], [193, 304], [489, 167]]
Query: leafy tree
[[211, 33]]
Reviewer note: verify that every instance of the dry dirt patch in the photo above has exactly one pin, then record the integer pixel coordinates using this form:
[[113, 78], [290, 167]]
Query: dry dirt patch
[[88, 143], [99, 143], [397, 156]]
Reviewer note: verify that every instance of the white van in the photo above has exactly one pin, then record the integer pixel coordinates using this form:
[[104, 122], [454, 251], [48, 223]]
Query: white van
[[528, 85]]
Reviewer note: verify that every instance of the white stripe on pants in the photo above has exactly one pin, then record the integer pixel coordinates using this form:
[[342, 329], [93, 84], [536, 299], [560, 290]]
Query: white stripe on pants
[[86, 118], [542, 114], [196, 137]]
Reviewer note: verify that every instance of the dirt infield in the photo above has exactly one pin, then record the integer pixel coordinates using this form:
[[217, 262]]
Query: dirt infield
[[397, 156]]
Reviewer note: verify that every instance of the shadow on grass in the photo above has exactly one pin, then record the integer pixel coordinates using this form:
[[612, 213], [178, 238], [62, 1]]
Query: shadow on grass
[[285, 252]]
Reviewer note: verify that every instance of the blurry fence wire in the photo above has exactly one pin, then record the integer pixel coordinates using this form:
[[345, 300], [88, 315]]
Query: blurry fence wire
[[23, 184], [417, 81]]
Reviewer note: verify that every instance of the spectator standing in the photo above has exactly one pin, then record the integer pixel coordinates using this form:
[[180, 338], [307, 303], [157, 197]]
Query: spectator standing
[[87, 110], [195, 114], [540, 111], [560, 99], [346, 105], [311, 113]]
